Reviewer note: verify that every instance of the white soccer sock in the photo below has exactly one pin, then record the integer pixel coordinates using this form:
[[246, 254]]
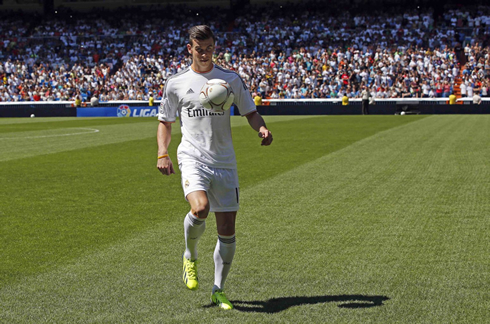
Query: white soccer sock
[[193, 229], [223, 257]]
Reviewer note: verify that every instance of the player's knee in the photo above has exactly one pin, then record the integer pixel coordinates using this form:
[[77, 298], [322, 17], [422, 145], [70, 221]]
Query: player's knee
[[226, 228], [200, 210]]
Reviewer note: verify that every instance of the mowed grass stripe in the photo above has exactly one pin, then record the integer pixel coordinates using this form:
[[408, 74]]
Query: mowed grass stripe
[[299, 141], [39, 124], [24, 120], [35, 141], [31, 137], [139, 280]]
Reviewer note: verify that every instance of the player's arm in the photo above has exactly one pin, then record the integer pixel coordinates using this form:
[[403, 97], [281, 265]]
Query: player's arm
[[244, 100], [164, 135], [257, 122]]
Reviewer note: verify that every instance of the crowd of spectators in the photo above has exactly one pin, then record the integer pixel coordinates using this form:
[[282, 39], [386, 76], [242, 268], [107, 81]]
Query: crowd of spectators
[[280, 52]]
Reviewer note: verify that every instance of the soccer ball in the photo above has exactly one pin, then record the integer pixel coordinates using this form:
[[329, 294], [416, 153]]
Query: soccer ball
[[402, 113], [216, 94], [32, 115]]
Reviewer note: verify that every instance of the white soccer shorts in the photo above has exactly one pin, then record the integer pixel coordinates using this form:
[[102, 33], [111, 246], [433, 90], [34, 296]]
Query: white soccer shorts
[[221, 185]]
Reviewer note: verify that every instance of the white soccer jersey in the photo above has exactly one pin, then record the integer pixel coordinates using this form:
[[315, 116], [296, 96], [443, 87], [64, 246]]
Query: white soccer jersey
[[206, 135]]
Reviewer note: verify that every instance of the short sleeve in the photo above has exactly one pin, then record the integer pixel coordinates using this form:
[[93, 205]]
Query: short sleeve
[[167, 110], [243, 98]]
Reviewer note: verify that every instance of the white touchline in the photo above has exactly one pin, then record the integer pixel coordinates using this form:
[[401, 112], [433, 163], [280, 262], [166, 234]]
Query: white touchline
[[91, 131]]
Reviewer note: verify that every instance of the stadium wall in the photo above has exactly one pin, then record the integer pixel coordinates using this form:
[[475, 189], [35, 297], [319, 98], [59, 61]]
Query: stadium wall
[[274, 107], [392, 109], [66, 109], [390, 106], [38, 110]]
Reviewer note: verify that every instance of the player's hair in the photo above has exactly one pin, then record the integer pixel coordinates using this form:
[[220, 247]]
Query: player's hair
[[201, 32]]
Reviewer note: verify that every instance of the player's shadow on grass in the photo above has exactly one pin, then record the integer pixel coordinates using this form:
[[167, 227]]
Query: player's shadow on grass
[[276, 305]]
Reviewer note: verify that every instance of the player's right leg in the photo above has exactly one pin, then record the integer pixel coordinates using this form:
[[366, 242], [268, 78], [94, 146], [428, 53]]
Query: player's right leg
[[195, 182], [194, 226]]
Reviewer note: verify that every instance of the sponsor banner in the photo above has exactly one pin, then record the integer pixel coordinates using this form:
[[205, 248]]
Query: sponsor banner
[[144, 111], [121, 111], [97, 112]]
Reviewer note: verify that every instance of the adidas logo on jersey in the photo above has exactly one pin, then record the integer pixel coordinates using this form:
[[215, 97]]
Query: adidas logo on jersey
[[189, 91]]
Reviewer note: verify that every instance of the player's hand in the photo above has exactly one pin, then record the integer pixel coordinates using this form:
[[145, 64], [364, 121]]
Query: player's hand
[[266, 136], [165, 166]]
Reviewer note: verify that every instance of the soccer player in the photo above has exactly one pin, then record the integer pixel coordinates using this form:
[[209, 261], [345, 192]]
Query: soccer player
[[206, 156]]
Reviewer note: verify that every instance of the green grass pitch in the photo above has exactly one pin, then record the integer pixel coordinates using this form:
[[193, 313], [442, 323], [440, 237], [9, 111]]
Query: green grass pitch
[[344, 219]]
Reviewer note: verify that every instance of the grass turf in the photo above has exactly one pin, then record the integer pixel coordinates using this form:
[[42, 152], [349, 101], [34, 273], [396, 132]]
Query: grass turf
[[343, 219]]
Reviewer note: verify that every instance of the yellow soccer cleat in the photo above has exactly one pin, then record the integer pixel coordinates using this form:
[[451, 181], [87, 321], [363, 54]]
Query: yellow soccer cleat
[[219, 298], [190, 274]]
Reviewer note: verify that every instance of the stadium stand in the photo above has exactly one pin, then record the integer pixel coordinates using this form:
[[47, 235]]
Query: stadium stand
[[280, 51]]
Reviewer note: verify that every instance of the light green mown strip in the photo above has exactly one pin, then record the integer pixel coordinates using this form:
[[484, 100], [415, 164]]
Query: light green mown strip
[[402, 215], [17, 145], [13, 121]]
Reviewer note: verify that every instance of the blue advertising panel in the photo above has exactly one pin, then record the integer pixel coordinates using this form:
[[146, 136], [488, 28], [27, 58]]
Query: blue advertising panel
[[97, 112], [121, 111]]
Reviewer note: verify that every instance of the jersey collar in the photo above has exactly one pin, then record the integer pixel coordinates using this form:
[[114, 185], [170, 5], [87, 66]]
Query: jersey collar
[[212, 67]]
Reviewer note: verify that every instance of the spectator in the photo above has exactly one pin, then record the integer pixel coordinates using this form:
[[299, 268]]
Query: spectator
[[365, 100], [94, 101], [78, 101], [95, 53], [258, 99], [469, 89], [462, 88], [345, 100], [151, 100], [446, 89], [36, 96], [476, 99], [452, 99], [484, 89]]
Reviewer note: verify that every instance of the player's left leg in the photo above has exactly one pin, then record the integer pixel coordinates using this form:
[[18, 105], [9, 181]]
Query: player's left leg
[[224, 202], [225, 247], [223, 256]]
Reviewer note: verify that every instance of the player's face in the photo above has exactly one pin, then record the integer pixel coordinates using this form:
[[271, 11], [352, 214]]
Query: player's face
[[202, 54]]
